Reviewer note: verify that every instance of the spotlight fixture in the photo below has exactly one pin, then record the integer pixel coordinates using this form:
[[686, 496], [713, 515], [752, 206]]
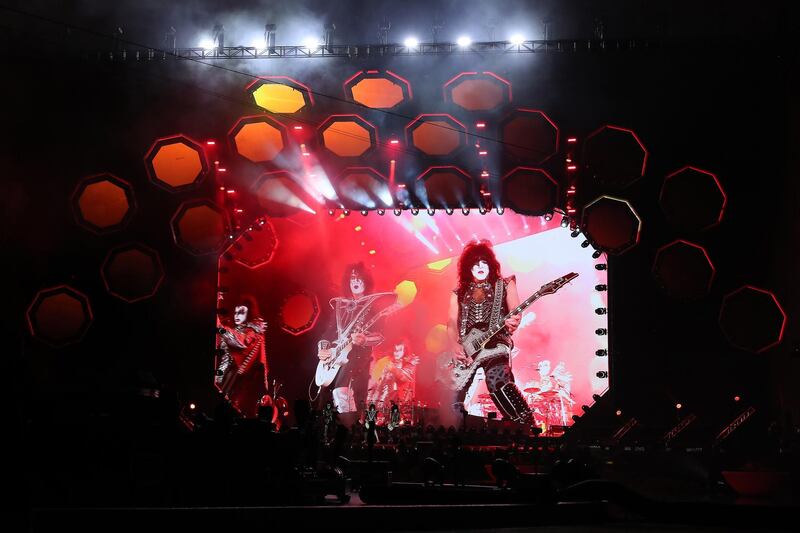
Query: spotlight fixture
[[431, 211], [448, 210], [364, 212], [574, 234], [465, 211], [678, 406], [585, 408], [601, 266], [596, 254], [463, 41], [619, 412], [596, 397], [346, 212], [312, 43], [411, 42], [602, 374], [601, 353], [516, 39], [415, 211], [564, 221], [601, 331], [585, 244], [481, 210], [601, 310], [500, 210], [381, 212], [575, 418], [548, 217], [398, 212], [601, 287], [331, 212]]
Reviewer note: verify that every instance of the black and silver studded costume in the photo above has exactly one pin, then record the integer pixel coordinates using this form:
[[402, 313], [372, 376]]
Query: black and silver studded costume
[[477, 309]]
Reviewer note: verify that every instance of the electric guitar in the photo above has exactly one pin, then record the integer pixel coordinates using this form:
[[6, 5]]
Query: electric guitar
[[475, 340], [326, 371]]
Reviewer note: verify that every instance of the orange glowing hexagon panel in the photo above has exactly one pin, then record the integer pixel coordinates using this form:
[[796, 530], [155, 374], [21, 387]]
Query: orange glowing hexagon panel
[[132, 272], [59, 316], [445, 187], [299, 313], [436, 134], [176, 163], [348, 135], [200, 227], [478, 91], [280, 94], [530, 135], [103, 203], [611, 224], [259, 139], [377, 89], [363, 188]]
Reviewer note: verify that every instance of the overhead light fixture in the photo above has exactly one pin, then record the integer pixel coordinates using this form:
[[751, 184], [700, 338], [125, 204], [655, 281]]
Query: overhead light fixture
[[548, 217], [596, 254], [517, 39], [602, 374], [601, 353], [411, 42], [601, 287], [463, 41], [312, 43], [601, 310], [585, 244], [601, 331], [601, 266]]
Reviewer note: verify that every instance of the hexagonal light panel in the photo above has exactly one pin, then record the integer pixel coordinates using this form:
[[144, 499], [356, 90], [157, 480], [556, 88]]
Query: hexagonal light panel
[[103, 203], [256, 247], [611, 224], [530, 191], [299, 313], [348, 135], [752, 319], [363, 188], [59, 315], [693, 199], [475, 91], [614, 156], [258, 138], [683, 270], [201, 227], [377, 89], [436, 134], [280, 194], [280, 94], [176, 163], [445, 186], [529, 135], [132, 272]]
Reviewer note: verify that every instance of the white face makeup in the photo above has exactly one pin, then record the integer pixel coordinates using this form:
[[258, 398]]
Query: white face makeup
[[240, 314], [480, 270], [399, 350], [356, 286]]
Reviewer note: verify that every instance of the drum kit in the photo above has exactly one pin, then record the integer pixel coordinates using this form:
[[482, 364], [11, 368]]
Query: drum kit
[[550, 407]]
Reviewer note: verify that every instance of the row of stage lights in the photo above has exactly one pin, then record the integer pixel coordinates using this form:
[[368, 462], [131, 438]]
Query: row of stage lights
[[313, 43]]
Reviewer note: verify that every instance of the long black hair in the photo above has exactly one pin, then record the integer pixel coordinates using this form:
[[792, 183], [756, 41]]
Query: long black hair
[[361, 271]]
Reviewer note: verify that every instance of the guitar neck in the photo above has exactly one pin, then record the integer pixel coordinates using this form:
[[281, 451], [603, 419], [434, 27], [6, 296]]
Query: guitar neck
[[494, 329], [389, 310]]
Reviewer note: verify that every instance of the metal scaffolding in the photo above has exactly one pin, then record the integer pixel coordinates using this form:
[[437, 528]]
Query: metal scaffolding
[[373, 50]]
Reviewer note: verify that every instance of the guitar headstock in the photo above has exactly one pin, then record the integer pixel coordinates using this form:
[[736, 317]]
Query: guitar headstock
[[553, 286]]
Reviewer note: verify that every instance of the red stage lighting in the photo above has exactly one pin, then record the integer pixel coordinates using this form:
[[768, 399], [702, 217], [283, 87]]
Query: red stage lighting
[[103, 203]]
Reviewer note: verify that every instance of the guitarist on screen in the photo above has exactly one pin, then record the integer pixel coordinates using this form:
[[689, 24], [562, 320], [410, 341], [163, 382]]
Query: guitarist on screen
[[481, 299], [349, 387]]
